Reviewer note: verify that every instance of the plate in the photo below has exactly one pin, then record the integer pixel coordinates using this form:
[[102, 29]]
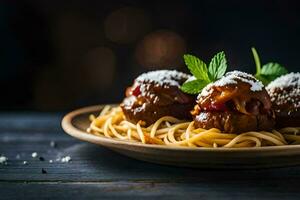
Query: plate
[[76, 122]]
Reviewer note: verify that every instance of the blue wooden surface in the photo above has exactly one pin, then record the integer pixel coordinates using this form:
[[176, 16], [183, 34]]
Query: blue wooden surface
[[96, 172]]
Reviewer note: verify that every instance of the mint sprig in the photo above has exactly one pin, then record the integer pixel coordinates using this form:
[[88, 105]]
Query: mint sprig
[[196, 66], [269, 71], [203, 75], [194, 86], [217, 66]]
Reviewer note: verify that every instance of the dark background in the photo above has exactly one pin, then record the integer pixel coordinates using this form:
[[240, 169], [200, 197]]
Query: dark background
[[59, 55]]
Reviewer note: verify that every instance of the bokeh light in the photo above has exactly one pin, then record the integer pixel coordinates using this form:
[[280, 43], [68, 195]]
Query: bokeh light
[[161, 49], [60, 56], [126, 25]]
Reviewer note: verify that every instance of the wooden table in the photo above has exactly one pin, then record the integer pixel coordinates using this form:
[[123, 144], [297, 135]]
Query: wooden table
[[96, 172]]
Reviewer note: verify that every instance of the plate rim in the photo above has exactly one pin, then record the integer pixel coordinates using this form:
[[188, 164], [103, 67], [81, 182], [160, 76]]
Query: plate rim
[[71, 130]]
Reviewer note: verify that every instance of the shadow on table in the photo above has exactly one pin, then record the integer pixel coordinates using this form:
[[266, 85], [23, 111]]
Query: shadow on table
[[104, 160]]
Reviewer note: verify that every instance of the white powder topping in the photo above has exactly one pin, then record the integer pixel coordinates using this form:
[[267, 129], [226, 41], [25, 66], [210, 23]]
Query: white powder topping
[[224, 82], [129, 102], [285, 90], [159, 78], [207, 90], [34, 154], [139, 109], [3, 159], [192, 78], [162, 77], [229, 79], [235, 76], [286, 97], [288, 80], [201, 116]]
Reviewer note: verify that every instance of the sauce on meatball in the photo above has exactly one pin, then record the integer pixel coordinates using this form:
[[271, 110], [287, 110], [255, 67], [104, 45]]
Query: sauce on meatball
[[156, 94], [235, 103]]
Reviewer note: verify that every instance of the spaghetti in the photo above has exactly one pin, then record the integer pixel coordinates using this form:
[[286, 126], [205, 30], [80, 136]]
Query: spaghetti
[[170, 131]]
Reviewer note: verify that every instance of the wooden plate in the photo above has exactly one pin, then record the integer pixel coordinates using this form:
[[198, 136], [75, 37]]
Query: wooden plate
[[75, 124]]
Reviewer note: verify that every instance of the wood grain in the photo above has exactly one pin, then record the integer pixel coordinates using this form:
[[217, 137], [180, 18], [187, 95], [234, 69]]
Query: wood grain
[[144, 190], [96, 172]]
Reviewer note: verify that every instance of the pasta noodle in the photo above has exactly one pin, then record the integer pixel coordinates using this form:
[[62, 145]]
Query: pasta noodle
[[170, 131]]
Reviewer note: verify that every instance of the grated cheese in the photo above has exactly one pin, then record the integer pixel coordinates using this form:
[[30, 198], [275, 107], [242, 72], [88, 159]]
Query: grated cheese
[[285, 90], [162, 77], [235, 76]]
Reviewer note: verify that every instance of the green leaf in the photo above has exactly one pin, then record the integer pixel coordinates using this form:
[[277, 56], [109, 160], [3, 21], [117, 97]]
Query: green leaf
[[262, 78], [257, 60], [267, 72], [217, 66], [274, 69], [194, 87], [271, 71], [196, 66]]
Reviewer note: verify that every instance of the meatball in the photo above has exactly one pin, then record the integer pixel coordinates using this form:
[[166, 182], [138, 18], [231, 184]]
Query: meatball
[[235, 103], [156, 94], [285, 96], [233, 122]]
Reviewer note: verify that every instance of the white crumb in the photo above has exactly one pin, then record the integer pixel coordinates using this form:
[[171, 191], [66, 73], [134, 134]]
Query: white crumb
[[3, 159], [34, 154], [65, 159]]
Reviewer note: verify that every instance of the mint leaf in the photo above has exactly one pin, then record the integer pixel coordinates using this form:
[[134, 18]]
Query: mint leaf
[[194, 87], [217, 66], [273, 69], [269, 71], [262, 78], [202, 75], [196, 66]]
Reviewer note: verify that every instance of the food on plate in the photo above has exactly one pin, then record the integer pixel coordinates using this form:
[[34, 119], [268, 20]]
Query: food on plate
[[232, 110], [156, 94], [285, 97], [235, 103]]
